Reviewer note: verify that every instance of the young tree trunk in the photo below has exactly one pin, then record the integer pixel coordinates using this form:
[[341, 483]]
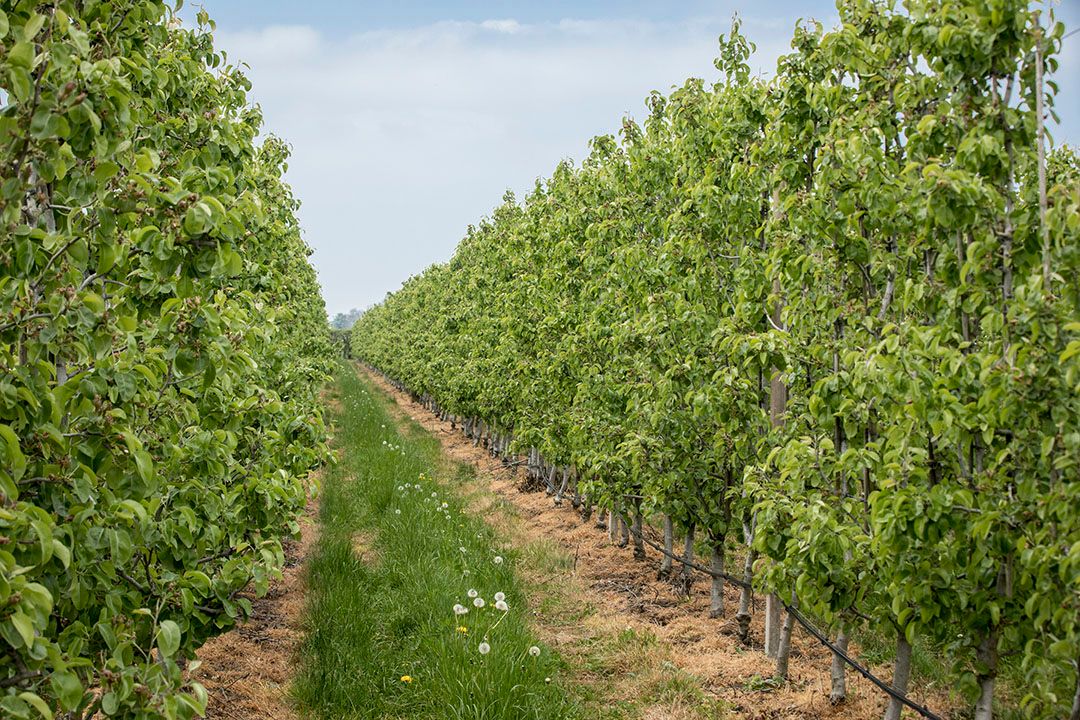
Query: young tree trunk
[[1040, 136], [716, 592], [639, 533], [669, 549], [772, 624], [534, 468], [777, 409], [901, 675], [687, 578], [746, 593], [562, 486], [838, 692], [987, 655], [783, 653]]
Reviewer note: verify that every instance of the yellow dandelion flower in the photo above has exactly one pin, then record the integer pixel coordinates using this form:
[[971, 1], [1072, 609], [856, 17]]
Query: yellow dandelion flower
[[406, 679]]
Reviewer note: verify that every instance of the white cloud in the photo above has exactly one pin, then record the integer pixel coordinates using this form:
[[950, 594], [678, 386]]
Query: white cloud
[[511, 27]]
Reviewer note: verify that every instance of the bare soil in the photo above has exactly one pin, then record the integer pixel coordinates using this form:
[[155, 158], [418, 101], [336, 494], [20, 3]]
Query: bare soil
[[628, 595]]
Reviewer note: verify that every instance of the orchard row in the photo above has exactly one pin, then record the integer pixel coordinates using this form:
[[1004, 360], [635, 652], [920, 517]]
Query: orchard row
[[162, 343], [827, 323]]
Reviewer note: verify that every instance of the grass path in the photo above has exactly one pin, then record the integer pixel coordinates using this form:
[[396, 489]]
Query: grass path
[[394, 555]]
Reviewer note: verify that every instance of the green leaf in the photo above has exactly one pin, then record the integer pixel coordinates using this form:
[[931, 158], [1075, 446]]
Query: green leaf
[[144, 465], [16, 461], [61, 551], [22, 84], [197, 220], [21, 55], [24, 626], [168, 639], [79, 39], [110, 703], [67, 688], [37, 703], [33, 27], [105, 171]]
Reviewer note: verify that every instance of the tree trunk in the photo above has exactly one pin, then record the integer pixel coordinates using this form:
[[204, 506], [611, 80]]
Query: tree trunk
[[901, 675], [838, 692], [746, 594], [639, 533], [716, 592], [783, 653], [772, 625], [562, 486], [533, 473], [777, 408], [688, 555], [669, 549], [987, 656]]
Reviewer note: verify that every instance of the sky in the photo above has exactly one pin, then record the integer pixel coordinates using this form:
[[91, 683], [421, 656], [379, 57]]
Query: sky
[[409, 120]]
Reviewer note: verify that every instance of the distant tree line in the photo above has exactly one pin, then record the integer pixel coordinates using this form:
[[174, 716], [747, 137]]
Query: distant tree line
[[345, 320]]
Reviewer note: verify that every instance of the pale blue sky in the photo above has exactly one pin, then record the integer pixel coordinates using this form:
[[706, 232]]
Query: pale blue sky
[[408, 120]]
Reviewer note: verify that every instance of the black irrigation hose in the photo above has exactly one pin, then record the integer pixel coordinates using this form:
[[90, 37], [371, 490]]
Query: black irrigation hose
[[881, 684]]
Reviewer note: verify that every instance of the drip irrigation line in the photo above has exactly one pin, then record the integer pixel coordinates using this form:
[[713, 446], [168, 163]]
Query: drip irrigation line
[[881, 684]]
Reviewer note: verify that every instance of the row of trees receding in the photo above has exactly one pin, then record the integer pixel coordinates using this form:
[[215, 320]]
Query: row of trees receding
[[827, 323], [162, 341]]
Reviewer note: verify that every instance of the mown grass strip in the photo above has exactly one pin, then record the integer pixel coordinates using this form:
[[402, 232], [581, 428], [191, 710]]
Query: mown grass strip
[[390, 564]]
